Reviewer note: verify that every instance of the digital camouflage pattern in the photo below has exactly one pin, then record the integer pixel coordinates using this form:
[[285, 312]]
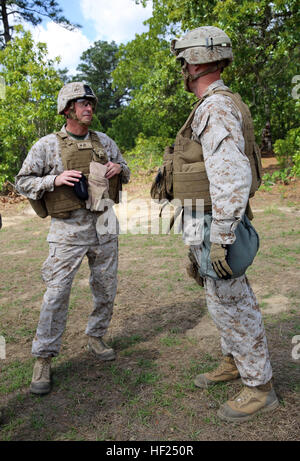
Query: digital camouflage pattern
[[203, 45], [217, 125], [58, 273], [42, 164], [235, 311], [72, 91], [69, 241]]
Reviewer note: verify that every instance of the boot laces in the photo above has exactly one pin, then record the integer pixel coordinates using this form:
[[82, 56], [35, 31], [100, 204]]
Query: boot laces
[[244, 395], [43, 369], [223, 366]]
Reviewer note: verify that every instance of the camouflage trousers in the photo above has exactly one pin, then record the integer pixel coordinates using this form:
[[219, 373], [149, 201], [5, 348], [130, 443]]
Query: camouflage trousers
[[58, 273], [235, 311]]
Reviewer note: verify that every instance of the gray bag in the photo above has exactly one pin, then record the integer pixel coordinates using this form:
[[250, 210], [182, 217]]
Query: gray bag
[[240, 254]]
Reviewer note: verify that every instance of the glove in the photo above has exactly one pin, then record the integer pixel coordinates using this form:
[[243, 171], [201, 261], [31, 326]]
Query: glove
[[218, 259]]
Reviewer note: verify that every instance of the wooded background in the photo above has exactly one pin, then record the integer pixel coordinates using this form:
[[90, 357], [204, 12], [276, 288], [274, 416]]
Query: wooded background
[[142, 102]]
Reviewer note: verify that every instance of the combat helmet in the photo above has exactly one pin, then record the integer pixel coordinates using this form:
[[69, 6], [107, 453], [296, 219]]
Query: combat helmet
[[71, 92], [203, 45]]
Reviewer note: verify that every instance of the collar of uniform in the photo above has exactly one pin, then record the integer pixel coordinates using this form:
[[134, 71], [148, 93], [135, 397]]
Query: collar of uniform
[[213, 86], [65, 131]]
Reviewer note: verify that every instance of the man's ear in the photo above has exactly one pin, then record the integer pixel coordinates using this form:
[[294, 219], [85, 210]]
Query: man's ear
[[67, 110]]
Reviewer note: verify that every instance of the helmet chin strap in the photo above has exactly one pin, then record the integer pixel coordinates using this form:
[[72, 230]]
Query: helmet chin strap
[[190, 78]]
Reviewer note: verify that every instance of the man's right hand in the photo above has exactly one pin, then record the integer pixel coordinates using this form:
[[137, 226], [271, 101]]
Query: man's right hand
[[68, 178]]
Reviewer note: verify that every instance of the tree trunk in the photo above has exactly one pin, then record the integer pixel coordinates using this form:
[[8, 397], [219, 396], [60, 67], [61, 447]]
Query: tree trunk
[[4, 17]]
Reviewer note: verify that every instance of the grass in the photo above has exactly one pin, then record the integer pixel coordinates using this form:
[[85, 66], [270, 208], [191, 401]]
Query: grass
[[148, 392], [15, 376]]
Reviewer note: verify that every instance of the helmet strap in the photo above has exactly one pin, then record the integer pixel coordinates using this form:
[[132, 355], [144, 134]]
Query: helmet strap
[[190, 78]]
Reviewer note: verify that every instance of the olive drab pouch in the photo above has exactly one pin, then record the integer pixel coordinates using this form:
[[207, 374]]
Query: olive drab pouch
[[162, 186], [97, 187], [39, 207]]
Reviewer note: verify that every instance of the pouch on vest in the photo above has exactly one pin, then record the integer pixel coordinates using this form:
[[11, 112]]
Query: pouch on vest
[[115, 186], [39, 207], [240, 254], [162, 186], [97, 187]]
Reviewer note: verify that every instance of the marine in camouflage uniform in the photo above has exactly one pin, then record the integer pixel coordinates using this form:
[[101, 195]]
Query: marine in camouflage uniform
[[217, 126], [70, 239]]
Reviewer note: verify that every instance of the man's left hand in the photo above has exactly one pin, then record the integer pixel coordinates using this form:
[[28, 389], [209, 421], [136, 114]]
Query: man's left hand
[[218, 255], [112, 169]]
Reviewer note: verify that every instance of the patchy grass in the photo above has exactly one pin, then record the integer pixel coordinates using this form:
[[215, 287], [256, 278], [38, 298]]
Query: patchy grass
[[148, 392]]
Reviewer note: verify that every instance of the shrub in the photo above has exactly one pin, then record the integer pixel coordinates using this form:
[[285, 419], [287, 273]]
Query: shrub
[[287, 151], [147, 153]]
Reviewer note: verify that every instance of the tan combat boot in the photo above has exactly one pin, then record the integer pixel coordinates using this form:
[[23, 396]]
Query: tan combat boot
[[41, 378], [248, 402], [98, 347], [226, 371]]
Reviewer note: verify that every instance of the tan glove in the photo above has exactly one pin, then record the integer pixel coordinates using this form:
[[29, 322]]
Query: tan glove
[[218, 259], [98, 186]]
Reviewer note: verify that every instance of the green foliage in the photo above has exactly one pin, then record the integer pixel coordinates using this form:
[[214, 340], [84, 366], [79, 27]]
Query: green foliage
[[28, 111], [265, 39], [270, 179], [288, 155], [125, 128], [32, 11], [97, 64], [159, 105], [288, 151], [147, 152]]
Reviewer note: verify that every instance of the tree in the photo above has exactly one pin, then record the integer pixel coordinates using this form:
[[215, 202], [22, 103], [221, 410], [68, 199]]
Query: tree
[[265, 37], [29, 109], [31, 11], [97, 64], [158, 104]]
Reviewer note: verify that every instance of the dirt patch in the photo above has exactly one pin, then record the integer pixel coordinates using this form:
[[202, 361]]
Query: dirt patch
[[160, 329], [276, 304]]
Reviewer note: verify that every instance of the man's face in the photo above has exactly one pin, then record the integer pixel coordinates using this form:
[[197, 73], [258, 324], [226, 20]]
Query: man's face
[[81, 111], [84, 109]]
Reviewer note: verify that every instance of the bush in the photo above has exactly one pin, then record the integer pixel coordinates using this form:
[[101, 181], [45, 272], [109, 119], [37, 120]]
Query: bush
[[287, 151], [147, 153]]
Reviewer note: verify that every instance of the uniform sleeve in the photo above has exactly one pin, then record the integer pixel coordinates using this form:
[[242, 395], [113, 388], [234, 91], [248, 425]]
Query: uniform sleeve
[[218, 126], [115, 155], [33, 180]]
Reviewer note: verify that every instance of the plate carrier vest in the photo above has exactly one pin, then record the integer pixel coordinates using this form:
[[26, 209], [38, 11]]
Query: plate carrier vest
[[75, 155], [183, 175]]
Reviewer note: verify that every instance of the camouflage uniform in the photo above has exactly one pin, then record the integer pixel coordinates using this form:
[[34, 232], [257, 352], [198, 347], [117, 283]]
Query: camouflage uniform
[[69, 241], [217, 125]]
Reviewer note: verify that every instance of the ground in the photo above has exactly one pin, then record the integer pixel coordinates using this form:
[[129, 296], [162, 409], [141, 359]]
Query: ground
[[160, 329]]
